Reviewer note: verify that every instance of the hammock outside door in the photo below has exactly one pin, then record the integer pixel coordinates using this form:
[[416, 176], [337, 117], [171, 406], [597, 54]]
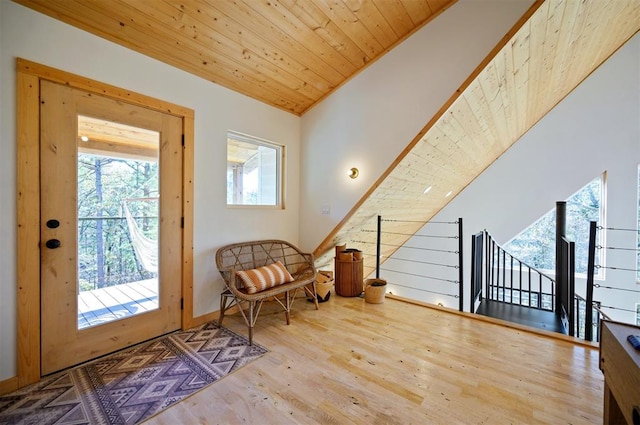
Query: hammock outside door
[[145, 247]]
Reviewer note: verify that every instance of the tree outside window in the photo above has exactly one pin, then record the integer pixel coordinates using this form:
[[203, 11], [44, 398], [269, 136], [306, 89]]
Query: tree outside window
[[535, 246], [106, 256]]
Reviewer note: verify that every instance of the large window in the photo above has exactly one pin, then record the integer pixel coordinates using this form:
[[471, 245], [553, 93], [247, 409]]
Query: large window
[[254, 171], [536, 244]]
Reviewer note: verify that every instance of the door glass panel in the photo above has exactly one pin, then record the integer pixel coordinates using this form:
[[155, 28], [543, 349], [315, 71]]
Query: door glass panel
[[118, 221]]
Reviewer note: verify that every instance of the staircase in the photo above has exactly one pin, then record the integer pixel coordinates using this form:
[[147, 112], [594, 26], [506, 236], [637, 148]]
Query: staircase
[[505, 288]]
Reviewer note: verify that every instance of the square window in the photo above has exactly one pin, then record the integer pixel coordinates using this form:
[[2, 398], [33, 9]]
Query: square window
[[254, 171]]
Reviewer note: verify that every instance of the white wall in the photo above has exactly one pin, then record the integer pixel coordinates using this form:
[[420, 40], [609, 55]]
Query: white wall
[[594, 129], [372, 118], [27, 34]]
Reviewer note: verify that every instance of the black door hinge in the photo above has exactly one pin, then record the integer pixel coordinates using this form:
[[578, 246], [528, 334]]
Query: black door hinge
[[182, 222], [181, 303], [183, 140]]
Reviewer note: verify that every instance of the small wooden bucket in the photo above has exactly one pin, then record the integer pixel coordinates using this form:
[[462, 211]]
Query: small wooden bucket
[[374, 290]]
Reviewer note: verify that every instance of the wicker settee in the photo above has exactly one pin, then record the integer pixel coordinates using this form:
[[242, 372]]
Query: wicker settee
[[248, 256]]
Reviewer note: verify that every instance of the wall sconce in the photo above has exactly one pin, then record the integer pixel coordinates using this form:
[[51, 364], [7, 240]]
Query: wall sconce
[[353, 173]]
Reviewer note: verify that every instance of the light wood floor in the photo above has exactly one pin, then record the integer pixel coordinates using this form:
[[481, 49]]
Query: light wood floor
[[397, 363]]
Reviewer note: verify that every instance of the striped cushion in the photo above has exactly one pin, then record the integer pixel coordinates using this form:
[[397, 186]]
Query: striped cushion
[[266, 277]]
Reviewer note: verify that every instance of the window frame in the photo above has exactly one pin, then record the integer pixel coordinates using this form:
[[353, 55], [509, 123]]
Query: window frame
[[638, 225], [280, 169]]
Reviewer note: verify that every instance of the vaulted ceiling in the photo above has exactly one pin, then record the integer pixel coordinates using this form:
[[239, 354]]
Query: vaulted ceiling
[[293, 53], [286, 53]]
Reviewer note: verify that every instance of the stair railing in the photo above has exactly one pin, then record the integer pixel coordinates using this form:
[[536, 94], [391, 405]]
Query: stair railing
[[503, 277], [566, 285], [507, 279]]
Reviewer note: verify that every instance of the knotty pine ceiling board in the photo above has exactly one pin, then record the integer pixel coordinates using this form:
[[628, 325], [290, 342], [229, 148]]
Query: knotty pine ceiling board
[[287, 53], [545, 56]]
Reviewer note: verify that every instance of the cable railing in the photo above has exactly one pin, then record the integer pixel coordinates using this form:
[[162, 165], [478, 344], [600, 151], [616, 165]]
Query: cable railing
[[582, 330], [627, 274], [115, 262], [429, 262]]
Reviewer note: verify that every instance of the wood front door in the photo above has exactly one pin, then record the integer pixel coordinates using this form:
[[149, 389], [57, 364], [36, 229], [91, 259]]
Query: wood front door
[[104, 247]]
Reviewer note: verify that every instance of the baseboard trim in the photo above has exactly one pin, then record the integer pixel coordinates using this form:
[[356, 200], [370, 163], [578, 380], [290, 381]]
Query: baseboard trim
[[8, 385], [200, 320], [541, 332]]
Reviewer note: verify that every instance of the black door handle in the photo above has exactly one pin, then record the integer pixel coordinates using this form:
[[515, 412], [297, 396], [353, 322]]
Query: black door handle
[[53, 224], [53, 243]]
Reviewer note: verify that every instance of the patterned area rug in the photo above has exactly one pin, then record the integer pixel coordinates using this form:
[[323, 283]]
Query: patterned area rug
[[129, 386]]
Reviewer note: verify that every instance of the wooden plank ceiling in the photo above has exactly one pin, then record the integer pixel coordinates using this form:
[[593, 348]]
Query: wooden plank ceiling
[[550, 54], [286, 53], [103, 137]]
